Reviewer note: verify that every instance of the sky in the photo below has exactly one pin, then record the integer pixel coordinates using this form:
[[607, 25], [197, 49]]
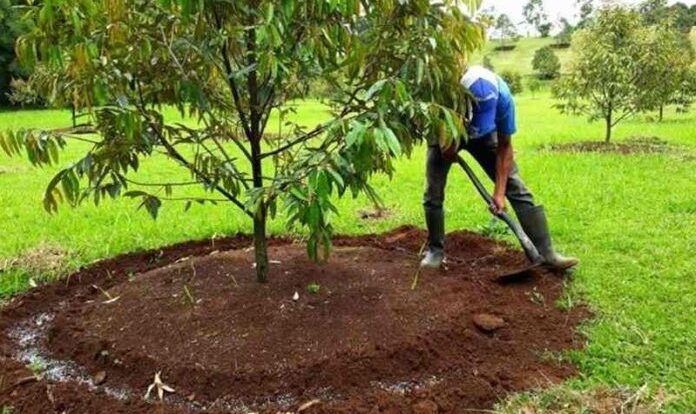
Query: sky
[[555, 8]]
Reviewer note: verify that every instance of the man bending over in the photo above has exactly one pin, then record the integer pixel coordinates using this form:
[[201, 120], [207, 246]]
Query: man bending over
[[491, 126]]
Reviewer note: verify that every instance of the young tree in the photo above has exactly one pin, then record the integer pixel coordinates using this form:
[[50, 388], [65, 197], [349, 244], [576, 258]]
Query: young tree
[[506, 29], [514, 81], [534, 85], [230, 64], [546, 63], [536, 16], [564, 37], [605, 74], [668, 69], [686, 93]]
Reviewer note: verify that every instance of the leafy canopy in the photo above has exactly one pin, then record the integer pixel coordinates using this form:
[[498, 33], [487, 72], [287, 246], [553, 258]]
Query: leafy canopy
[[394, 67]]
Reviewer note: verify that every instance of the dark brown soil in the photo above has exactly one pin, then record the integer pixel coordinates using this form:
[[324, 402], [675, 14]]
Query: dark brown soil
[[638, 145], [365, 343]]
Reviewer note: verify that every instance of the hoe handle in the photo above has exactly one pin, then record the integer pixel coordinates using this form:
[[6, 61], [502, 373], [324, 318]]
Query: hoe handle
[[529, 249]]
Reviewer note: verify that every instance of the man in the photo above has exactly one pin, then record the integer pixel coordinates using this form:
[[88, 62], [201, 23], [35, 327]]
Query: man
[[491, 126]]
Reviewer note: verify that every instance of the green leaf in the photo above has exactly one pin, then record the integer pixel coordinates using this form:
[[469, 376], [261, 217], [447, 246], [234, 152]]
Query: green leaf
[[392, 140], [152, 205], [377, 87]]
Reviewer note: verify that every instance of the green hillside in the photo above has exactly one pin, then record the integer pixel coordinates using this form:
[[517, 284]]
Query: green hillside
[[520, 59]]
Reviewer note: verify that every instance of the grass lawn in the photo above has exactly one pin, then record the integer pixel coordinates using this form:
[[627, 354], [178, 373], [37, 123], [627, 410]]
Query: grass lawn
[[631, 219]]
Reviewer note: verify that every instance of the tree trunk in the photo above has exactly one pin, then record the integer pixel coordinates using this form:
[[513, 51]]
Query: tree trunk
[[74, 116], [260, 243], [261, 246], [662, 112], [609, 120]]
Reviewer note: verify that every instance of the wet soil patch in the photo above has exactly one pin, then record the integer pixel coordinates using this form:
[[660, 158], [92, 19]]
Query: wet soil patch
[[631, 146], [364, 343]]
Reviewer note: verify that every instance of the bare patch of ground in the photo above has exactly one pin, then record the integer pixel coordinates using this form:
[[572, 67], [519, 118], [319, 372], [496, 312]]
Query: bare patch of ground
[[42, 262], [630, 146], [598, 401], [375, 214]]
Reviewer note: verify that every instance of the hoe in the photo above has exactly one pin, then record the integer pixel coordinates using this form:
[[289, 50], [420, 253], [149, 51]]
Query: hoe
[[535, 259]]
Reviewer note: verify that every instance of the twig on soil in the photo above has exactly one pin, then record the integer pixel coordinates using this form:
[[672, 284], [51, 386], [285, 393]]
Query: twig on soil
[[416, 277], [25, 381], [308, 404]]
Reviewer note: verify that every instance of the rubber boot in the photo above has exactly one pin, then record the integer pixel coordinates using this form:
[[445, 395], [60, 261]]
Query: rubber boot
[[534, 223], [435, 249]]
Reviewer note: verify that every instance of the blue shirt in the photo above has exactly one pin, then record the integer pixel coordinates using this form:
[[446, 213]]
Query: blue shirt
[[494, 107]]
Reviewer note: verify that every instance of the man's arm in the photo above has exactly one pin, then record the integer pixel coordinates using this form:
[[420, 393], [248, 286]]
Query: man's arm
[[503, 166]]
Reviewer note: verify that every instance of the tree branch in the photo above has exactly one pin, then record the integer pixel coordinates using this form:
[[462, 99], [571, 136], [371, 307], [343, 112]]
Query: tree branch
[[173, 153]]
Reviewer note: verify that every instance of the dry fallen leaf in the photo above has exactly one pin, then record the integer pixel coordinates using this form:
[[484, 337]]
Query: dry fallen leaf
[[159, 386], [99, 378], [110, 301], [308, 404]]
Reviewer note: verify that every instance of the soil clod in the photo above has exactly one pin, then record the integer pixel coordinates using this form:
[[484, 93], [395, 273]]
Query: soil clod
[[488, 323]]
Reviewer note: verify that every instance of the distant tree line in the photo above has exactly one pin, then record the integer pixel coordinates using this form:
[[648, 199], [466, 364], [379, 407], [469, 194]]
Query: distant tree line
[[11, 27]]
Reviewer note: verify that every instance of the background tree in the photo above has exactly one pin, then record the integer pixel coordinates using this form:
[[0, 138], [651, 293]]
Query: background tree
[[535, 15], [534, 85], [668, 69], [507, 32], [546, 64], [228, 65], [605, 74], [11, 27], [585, 10], [654, 11], [684, 97], [564, 37], [514, 81]]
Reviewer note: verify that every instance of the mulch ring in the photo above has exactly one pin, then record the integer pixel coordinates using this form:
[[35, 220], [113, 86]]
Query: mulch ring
[[361, 342], [630, 146]]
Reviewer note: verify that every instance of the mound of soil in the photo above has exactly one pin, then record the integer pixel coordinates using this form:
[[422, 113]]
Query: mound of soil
[[364, 343], [639, 145]]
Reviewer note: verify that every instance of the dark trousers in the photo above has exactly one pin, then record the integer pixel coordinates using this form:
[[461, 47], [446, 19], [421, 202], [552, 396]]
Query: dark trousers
[[484, 152]]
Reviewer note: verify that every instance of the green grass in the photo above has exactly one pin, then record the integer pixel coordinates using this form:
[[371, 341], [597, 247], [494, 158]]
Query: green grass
[[632, 220]]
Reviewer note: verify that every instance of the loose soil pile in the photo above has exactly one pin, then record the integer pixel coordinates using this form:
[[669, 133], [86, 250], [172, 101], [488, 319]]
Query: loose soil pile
[[364, 343]]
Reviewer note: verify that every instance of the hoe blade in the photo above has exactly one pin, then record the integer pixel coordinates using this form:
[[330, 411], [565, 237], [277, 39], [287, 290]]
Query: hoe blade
[[517, 275]]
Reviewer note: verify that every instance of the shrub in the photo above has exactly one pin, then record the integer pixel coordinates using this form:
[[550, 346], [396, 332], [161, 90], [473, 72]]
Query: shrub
[[534, 85], [546, 63], [514, 81]]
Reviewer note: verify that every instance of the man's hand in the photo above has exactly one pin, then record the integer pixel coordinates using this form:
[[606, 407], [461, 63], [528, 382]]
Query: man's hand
[[449, 154], [498, 206]]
